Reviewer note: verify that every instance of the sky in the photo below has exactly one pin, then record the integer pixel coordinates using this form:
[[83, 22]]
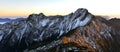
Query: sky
[[58, 7]]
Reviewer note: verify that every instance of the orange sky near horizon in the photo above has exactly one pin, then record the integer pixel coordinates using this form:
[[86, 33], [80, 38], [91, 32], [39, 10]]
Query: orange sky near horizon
[[27, 13], [61, 7]]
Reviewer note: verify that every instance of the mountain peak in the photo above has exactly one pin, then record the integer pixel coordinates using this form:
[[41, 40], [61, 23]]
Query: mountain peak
[[82, 30]]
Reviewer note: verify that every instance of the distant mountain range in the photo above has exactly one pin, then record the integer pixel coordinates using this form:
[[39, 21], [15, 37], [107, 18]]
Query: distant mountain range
[[4, 20]]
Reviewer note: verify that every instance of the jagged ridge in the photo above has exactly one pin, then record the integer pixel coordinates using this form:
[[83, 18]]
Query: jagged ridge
[[37, 28]]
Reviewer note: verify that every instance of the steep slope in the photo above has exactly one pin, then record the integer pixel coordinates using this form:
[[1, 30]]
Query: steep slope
[[95, 37], [16, 36], [76, 32]]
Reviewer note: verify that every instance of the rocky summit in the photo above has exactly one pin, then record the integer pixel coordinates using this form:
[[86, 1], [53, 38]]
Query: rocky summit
[[76, 32]]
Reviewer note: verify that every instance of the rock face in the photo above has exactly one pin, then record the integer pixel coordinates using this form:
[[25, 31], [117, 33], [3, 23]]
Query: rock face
[[115, 23], [16, 36], [97, 36], [76, 32]]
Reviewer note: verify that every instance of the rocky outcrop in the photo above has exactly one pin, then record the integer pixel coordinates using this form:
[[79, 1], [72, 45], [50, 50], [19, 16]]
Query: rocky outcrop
[[76, 32], [16, 36], [97, 36], [115, 24]]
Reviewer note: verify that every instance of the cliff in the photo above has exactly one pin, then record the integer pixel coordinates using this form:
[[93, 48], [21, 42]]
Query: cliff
[[98, 36], [76, 32]]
